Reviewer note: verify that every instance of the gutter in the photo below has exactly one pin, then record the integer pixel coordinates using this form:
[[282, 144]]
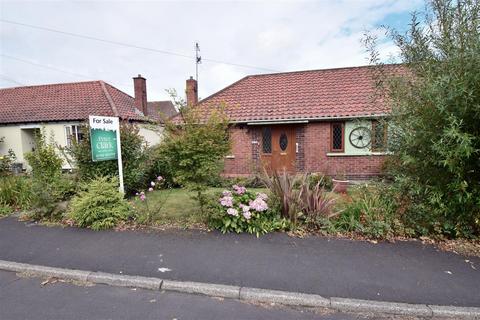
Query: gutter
[[307, 120]]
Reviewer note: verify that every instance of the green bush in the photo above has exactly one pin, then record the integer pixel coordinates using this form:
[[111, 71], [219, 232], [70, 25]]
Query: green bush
[[253, 181], [6, 162], [158, 161], [99, 205], [16, 191], [5, 210], [133, 158], [371, 211], [193, 152], [240, 210], [323, 181], [435, 131], [47, 182]]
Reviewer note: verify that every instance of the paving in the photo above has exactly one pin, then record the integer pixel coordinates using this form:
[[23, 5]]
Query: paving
[[406, 272]]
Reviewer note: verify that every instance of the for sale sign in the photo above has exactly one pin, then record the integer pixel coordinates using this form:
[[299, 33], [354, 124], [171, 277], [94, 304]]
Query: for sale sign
[[103, 138], [105, 142]]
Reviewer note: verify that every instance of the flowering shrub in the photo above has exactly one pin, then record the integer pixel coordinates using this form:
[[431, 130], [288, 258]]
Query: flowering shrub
[[147, 207], [240, 210]]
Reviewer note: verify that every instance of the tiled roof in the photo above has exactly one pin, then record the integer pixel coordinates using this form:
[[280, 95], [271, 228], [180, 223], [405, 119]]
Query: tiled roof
[[164, 108], [315, 94], [65, 101]]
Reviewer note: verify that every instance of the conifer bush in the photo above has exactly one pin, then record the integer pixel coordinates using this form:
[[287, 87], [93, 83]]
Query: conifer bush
[[99, 205]]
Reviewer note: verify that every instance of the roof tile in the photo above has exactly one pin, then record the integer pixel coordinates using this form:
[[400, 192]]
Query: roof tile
[[64, 102], [341, 92]]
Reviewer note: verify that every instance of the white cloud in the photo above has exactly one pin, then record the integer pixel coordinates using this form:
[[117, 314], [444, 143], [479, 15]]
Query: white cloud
[[281, 36]]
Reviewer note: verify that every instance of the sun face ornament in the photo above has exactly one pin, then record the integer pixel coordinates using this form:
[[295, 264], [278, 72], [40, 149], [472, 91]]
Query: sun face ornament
[[360, 137]]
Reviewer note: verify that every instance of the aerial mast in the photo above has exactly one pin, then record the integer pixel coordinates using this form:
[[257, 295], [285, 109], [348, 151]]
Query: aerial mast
[[198, 60]]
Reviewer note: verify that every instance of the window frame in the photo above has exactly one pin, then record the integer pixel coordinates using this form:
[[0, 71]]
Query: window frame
[[271, 141], [342, 124], [384, 148], [72, 133]]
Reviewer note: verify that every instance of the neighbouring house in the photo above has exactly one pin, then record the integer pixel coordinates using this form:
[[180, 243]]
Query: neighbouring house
[[324, 121], [61, 109]]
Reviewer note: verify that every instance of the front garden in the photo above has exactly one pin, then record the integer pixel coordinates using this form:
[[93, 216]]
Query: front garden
[[432, 179]]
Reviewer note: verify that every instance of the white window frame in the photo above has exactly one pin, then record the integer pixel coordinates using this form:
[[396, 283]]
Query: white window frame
[[68, 129]]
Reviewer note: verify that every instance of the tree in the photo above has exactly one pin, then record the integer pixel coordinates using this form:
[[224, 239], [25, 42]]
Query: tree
[[436, 117], [194, 149]]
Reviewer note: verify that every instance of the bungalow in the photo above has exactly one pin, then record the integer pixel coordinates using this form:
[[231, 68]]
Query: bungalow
[[62, 108], [307, 121]]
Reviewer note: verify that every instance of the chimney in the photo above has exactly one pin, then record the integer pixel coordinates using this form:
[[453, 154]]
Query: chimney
[[192, 92], [140, 87]]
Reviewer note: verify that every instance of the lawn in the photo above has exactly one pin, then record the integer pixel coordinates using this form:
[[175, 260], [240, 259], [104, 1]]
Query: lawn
[[179, 208]]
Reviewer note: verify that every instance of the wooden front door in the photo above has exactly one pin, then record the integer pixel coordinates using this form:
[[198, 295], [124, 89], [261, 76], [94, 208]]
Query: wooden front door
[[278, 148]]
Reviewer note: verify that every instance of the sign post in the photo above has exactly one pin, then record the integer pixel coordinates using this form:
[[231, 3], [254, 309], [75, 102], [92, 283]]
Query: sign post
[[105, 142]]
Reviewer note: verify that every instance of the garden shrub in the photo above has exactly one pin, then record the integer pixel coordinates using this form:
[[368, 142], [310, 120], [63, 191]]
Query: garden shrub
[[193, 152], [99, 205], [284, 187], [133, 157], [323, 181], [6, 161], [371, 211], [5, 209], [47, 181], [254, 181], [158, 161], [314, 201], [16, 191], [301, 196], [239, 210], [435, 138]]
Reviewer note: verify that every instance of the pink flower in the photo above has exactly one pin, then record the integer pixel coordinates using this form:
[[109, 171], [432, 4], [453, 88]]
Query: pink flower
[[227, 193], [152, 184], [247, 214], [159, 178], [239, 189], [262, 195], [142, 197], [150, 189], [137, 194], [232, 212], [226, 201], [258, 205], [245, 208]]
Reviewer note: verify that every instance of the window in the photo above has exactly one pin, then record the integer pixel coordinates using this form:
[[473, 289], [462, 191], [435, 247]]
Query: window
[[267, 140], [73, 133], [337, 132], [283, 141], [379, 135]]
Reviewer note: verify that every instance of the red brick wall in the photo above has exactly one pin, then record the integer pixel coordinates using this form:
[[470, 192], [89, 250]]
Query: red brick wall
[[314, 144], [242, 163], [317, 142]]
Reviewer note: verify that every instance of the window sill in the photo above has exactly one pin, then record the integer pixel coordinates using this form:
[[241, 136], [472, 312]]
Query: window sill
[[230, 157], [343, 154]]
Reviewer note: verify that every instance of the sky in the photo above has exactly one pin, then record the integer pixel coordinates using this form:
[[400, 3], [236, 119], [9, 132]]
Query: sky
[[236, 39]]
